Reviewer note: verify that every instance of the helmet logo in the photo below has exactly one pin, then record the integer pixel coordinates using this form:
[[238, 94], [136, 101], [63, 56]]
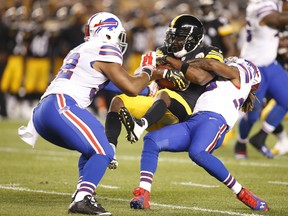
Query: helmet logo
[[109, 23]]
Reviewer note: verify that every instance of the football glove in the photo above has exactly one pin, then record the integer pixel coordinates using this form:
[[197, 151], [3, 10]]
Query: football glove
[[177, 77], [153, 88], [148, 62], [160, 58]]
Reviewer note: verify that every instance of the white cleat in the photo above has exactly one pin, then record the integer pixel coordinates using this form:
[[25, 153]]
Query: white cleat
[[280, 148]]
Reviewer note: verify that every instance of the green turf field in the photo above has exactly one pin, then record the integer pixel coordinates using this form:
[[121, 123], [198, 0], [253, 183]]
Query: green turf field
[[40, 181]]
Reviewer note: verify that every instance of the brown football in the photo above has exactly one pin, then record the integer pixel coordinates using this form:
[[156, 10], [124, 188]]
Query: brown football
[[164, 83]]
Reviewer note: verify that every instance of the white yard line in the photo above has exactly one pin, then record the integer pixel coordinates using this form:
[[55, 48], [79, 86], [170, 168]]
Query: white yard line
[[135, 158], [12, 187], [278, 182], [195, 184]]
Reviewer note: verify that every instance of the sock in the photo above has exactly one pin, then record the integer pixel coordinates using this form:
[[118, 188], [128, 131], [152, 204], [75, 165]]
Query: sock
[[179, 110], [155, 112], [80, 195], [86, 188], [280, 133], [232, 183], [112, 127], [278, 129], [268, 128], [236, 188], [146, 179]]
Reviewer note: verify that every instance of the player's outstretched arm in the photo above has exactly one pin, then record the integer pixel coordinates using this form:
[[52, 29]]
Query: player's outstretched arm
[[130, 85], [275, 20], [194, 74]]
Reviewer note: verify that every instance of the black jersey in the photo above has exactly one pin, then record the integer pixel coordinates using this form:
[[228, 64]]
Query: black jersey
[[215, 30], [193, 92]]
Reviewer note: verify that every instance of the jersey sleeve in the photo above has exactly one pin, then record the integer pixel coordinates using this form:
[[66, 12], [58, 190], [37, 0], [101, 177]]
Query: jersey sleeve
[[266, 8], [110, 53], [214, 53]]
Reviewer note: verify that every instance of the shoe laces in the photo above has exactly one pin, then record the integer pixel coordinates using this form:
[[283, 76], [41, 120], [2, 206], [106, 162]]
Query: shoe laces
[[94, 203], [138, 191]]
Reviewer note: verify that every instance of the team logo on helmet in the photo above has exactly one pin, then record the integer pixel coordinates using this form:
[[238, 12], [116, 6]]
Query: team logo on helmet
[[109, 23]]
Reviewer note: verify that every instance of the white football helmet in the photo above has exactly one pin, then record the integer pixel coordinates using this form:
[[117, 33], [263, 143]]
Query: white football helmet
[[106, 27]]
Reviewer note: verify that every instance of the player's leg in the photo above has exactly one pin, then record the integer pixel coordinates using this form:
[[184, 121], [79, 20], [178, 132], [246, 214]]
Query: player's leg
[[281, 147], [248, 120], [168, 105], [276, 89], [258, 140], [206, 136], [136, 105], [176, 140], [71, 127]]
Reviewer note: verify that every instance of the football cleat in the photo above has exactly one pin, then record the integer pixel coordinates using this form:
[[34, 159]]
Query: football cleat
[[240, 151], [252, 201], [141, 199], [260, 146], [87, 206], [113, 163], [280, 148], [135, 127]]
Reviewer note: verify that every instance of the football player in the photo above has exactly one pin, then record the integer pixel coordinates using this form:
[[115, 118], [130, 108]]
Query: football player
[[218, 30], [61, 116], [220, 33], [215, 112], [264, 19], [183, 41]]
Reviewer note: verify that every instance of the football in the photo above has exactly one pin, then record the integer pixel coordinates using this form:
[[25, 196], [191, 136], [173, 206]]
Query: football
[[164, 83]]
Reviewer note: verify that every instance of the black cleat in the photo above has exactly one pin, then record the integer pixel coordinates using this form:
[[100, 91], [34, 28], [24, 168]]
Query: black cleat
[[87, 206], [240, 151], [134, 127], [258, 142]]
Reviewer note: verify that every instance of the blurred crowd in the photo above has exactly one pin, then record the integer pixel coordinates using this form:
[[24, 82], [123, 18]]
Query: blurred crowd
[[35, 36]]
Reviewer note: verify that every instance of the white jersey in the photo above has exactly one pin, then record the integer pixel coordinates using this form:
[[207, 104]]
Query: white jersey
[[223, 97], [77, 78], [261, 42]]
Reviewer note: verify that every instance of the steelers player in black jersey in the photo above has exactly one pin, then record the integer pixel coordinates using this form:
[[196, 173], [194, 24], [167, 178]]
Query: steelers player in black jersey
[[218, 30], [183, 41]]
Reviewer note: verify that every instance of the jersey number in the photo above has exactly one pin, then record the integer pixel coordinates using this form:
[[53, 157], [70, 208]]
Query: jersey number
[[70, 62]]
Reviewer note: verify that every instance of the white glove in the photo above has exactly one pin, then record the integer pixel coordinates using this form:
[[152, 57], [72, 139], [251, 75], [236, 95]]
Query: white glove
[[153, 88], [148, 63]]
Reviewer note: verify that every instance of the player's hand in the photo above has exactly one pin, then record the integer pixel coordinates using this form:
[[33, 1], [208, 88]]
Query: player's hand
[[177, 77], [148, 62], [153, 88], [160, 58]]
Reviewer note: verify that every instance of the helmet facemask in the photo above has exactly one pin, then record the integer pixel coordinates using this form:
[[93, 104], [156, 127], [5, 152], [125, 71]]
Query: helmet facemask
[[182, 41]]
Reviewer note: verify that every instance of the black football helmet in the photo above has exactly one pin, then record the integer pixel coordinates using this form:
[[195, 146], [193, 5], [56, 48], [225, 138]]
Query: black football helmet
[[185, 34]]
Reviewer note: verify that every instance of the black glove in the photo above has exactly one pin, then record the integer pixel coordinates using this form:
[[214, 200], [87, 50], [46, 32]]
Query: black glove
[[177, 77], [160, 58]]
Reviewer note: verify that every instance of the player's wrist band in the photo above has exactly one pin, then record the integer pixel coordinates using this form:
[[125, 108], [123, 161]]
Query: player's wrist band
[[148, 71], [184, 67]]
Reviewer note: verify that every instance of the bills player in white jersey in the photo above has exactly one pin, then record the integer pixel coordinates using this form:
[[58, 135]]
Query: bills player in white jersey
[[215, 113], [264, 19], [61, 116]]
